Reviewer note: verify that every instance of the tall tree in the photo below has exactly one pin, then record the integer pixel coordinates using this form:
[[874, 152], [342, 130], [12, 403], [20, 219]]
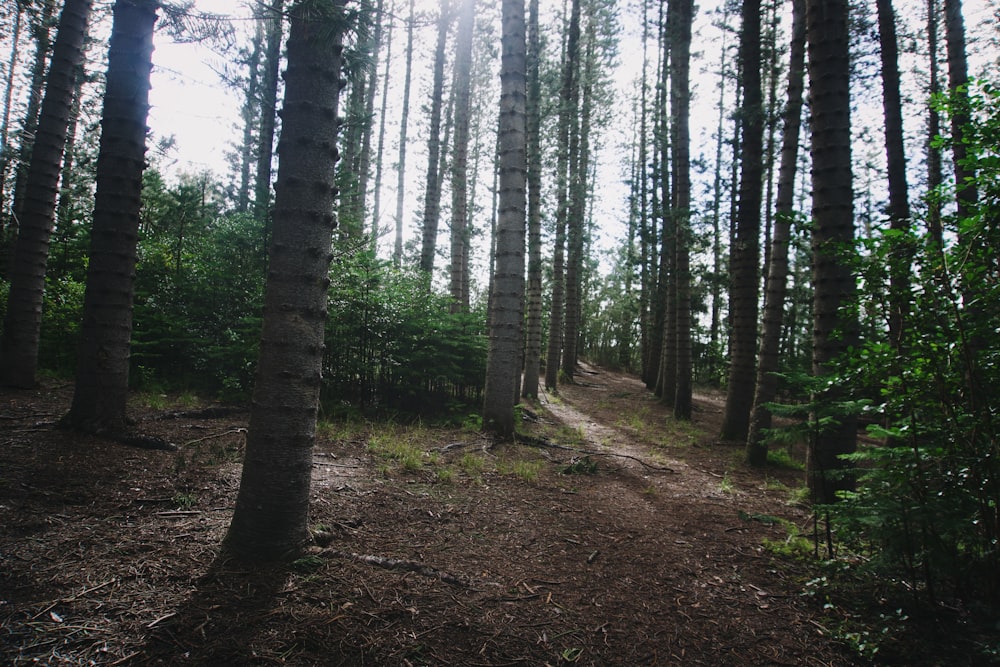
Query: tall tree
[[42, 31], [680, 93], [397, 249], [899, 203], [460, 156], [834, 329], [249, 115], [933, 127], [268, 112], [777, 266], [8, 95], [101, 389], [533, 344], [577, 194], [432, 192], [958, 81], [745, 252], [567, 113], [270, 518], [19, 346], [507, 299]]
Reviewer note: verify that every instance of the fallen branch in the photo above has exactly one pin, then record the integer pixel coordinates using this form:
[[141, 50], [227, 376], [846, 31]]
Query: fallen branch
[[404, 565], [542, 442], [73, 598], [216, 435]]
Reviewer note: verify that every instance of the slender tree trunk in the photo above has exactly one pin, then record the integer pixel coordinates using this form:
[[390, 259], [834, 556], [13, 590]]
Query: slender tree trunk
[[460, 154], [101, 390], [834, 331], [680, 63], [715, 317], [745, 253], [533, 348], [934, 176], [250, 116], [966, 194], [365, 157], [899, 203], [22, 324], [8, 95], [432, 195], [380, 150], [777, 273], [272, 507], [397, 252], [268, 114], [576, 207], [42, 31], [645, 289], [507, 303], [567, 110], [660, 188]]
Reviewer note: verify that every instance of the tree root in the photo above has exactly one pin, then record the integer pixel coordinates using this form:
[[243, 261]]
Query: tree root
[[404, 565], [536, 441]]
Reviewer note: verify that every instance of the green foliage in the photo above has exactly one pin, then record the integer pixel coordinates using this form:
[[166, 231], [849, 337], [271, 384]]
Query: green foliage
[[391, 343], [927, 508], [581, 466]]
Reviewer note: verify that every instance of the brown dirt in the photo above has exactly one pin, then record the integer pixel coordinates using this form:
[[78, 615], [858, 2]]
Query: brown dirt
[[478, 556]]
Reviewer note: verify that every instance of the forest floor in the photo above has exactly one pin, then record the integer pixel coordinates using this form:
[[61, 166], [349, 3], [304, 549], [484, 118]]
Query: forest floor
[[634, 540]]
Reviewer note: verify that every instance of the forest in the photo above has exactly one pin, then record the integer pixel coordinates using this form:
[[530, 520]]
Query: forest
[[465, 251]]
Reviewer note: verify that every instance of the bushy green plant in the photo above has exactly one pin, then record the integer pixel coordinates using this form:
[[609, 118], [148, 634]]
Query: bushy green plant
[[927, 507]]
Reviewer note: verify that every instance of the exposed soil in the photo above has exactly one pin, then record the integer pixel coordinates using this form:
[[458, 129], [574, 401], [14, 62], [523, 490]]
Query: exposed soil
[[649, 550]]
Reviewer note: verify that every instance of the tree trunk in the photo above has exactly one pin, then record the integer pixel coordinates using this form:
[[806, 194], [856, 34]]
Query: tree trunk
[[432, 195], [507, 302], [272, 507], [533, 347], [365, 156], [680, 63], [745, 253], [268, 113], [250, 116], [397, 251], [101, 391], [933, 129], [19, 347], [460, 154], [777, 273], [834, 330], [966, 193], [380, 149], [899, 204], [567, 111], [42, 31], [8, 95], [577, 206]]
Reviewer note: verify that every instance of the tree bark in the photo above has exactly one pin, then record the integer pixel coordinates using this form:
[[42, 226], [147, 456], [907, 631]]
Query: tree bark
[[268, 113], [680, 63], [101, 390], [460, 156], [397, 251], [777, 271], [432, 194], [533, 347], [22, 324], [834, 331], [507, 302], [966, 193], [745, 253], [270, 518], [899, 203]]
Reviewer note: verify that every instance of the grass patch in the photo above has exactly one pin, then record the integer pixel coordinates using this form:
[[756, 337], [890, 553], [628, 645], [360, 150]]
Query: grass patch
[[472, 464], [527, 471], [782, 458], [398, 448]]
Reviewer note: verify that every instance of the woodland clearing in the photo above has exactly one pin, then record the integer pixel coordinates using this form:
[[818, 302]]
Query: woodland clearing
[[617, 536]]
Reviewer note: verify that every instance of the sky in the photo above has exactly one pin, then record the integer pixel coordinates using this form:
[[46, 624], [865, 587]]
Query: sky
[[189, 102]]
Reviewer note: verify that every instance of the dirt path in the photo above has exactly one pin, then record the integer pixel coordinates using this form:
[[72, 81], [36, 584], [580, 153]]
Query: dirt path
[[463, 554]]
